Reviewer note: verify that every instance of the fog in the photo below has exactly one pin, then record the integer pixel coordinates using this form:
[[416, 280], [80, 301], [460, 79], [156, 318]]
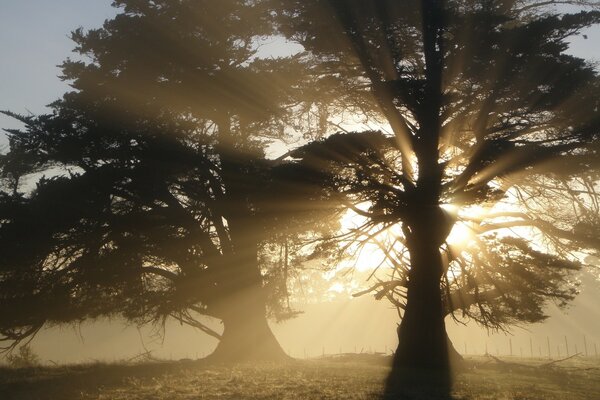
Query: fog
[[347, 326]]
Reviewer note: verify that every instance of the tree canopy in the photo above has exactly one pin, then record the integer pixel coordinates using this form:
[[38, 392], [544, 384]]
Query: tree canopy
[[490, 126], [151, 194]]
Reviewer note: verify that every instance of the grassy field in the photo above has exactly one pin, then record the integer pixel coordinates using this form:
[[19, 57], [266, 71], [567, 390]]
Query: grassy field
[[352, 377]]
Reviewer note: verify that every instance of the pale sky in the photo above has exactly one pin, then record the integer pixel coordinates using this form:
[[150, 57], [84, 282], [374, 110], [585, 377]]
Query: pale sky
[[35, 40]]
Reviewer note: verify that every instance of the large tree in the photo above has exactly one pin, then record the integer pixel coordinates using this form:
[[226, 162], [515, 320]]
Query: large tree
[[148, 193], [490, 125]]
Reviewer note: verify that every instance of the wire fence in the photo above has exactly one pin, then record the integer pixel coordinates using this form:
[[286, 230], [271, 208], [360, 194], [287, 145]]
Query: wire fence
[[544, 348], [548, 347]]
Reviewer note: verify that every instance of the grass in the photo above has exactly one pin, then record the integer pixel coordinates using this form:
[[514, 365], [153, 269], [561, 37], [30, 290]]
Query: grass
[[351, 377]]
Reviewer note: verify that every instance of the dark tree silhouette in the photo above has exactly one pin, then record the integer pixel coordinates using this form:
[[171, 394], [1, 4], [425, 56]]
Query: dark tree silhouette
[[492, 126], [146, 193]]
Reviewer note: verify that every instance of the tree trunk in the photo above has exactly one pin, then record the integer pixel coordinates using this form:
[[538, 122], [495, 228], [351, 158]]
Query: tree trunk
[[246, 334], [422, 362], [242, 310], [422, 333]]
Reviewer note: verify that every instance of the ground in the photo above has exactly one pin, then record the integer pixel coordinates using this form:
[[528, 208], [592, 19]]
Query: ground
[[343, 377]]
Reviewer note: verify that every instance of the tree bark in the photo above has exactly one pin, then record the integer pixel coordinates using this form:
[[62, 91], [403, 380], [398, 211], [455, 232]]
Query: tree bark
[[422, 333], [242, 310], [423, 359], [246, 334]]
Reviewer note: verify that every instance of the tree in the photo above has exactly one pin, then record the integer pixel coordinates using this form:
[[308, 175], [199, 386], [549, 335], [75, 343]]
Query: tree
[[155, 198], [491, 126]]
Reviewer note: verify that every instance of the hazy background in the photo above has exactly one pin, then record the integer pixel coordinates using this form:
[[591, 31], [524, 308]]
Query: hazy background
[[35, 42]]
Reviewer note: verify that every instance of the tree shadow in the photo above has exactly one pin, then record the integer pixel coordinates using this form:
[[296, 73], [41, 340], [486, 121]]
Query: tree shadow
[[70, 382], [415, 383], [422, 379]]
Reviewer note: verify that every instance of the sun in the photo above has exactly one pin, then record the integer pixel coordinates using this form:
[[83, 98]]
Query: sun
[[462, 231], [469, 218], [369, 255], [460, 235]]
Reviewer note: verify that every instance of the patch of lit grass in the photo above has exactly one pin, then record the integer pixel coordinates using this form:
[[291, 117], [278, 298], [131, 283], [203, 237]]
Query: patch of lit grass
[[351, 378]]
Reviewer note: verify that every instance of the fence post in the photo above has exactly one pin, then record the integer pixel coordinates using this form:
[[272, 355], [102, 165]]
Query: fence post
[[531, 346], [548, 341], [567, 345], [585, 346], [510, 345]]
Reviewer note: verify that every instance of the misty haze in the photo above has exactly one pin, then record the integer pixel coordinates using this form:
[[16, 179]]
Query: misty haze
[[307, 199]]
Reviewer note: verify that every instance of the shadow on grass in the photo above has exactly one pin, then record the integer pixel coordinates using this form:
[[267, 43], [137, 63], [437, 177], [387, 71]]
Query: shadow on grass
[[409, 384], [69, 382], [356, 377]]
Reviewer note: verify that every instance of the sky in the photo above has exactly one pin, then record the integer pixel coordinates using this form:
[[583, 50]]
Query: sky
[[35, 40]]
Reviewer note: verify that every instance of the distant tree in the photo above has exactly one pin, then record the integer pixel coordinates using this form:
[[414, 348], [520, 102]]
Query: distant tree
[[492, 126], [147, 192]]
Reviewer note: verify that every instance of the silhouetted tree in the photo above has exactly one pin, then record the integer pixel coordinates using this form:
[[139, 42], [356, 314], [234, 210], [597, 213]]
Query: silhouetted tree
[[491, 126], [149, 194]]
